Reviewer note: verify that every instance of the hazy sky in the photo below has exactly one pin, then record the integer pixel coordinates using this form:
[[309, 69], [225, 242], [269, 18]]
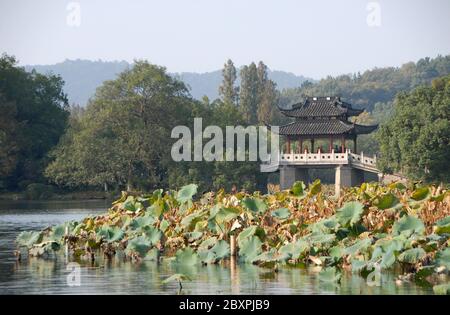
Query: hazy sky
[[312, 38]]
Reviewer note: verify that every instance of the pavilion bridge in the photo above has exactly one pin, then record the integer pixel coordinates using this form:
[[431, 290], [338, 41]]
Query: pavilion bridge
[[323, 119]]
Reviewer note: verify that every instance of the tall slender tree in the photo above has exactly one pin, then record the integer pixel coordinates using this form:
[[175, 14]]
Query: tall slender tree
[[249, 93], [227, 90]]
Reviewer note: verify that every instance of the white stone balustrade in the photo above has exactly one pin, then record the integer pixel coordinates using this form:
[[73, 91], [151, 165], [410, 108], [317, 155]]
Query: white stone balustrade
[[323, 159]]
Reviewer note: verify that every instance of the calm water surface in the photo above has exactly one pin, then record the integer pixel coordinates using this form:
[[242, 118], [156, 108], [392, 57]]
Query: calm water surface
[[39, 276]]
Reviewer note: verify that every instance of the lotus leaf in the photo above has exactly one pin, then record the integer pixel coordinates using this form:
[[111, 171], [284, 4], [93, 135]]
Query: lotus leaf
[[330, 274], [350, 213], [420, 193], [412, 256], [186, 256], [255, 205], [250, 249], [281, 213], [443, 226], [443, 258], [186, 193], [28, 239], [408, 225], [298, 189]]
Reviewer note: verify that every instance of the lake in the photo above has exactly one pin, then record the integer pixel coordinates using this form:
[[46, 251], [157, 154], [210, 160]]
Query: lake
[[40, 276]]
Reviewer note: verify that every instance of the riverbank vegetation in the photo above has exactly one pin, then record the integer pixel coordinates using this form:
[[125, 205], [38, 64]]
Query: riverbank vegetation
[[368, 230]]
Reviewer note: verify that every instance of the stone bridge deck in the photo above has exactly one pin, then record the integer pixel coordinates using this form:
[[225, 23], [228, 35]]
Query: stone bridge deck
[[317, 160]]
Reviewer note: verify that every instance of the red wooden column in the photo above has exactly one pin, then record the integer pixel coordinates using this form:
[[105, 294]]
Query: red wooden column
[[288, 145], [300, 142], [343, 144], [312, 145], [331, 144]]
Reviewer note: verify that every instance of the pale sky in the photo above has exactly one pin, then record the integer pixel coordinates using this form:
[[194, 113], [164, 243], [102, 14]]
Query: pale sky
[[311, 38]]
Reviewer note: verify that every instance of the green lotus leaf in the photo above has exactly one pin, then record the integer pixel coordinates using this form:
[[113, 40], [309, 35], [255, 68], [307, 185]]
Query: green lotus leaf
[[320, 239], [397, 185], [132, 205], [336, 252], [208, 243], [269, 256], [250, 249], [443, 226], [443, 258], [191, 220], [281, 213], [420, 193], [193, 236], [157, 208], [386, 201], [186, 256], [325, 226], [164, 225], [412, 256], [350, 213], [28, 239], [358, 247], [293, 250], [408, 225], [186, 193], [255, 205], [250, 231], [219, 251], [225, 215], [330, 274], [315, 187], [143, 221], [153, 234], [139, 245], [388, 259], [358, 265], [442, 289], [110, 234], [298, 189]]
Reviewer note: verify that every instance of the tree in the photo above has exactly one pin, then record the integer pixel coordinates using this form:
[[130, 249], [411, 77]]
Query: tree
[[9, 145], [123, 135], [227, 90], [415, 140], [35, 110], [249, 93]]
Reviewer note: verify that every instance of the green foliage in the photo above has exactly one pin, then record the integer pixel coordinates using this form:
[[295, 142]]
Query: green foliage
[[415, 141], [350, 214], [34, 116], [408, 225]]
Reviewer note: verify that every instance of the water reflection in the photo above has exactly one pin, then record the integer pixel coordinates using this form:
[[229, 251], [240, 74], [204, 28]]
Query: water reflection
[[116, 276]]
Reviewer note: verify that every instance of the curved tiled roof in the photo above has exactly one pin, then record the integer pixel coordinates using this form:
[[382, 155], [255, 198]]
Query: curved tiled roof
[[321, 107], [314, 127]]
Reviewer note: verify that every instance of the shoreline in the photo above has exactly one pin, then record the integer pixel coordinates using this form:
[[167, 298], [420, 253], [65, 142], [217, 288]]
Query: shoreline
[[68, 196]]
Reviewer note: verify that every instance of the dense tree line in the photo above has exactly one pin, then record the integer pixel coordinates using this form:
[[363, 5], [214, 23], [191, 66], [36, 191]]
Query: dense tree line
[[123, 137], [34, 115]]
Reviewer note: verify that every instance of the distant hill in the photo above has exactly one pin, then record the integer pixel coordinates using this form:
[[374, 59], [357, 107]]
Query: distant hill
[[82, 77]]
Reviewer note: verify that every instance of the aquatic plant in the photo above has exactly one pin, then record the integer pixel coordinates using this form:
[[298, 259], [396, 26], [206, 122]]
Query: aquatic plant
[[368, 228]]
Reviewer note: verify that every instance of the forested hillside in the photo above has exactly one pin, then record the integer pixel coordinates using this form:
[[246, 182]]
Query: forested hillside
[[379, 85], [82, 77]]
